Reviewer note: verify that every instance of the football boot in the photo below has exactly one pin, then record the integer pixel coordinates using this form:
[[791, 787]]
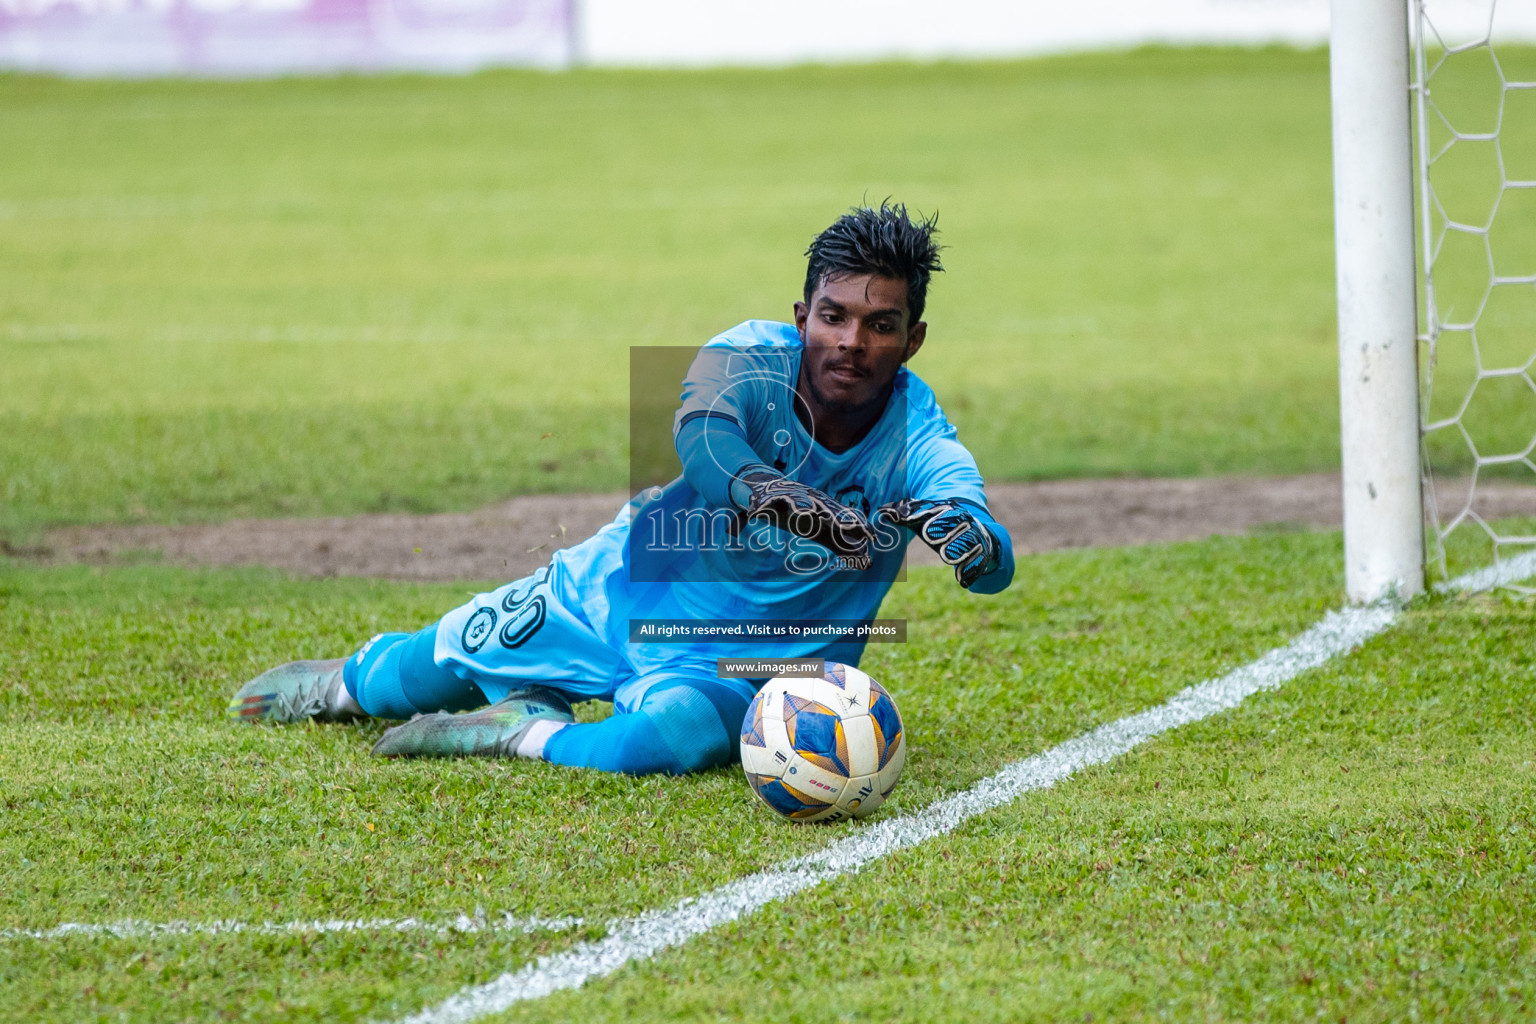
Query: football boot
[[493, 731], [293, 692]]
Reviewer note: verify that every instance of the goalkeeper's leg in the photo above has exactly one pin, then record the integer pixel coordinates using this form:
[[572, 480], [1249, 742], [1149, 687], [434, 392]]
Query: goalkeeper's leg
[[529, 648], [530, 631], [396, 676], [681, 725], [393, 676]]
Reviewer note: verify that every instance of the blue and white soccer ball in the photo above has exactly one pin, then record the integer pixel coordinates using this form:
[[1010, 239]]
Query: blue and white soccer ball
[[823, 749]]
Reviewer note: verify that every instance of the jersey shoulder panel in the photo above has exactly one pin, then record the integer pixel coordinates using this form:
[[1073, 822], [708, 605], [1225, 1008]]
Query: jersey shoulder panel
[[938, 465], [735, 373], [925, 417], [765, 334]]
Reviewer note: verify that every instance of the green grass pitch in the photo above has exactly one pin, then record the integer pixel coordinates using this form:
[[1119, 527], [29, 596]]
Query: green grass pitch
[[1357, 845], [329, 296], [416, 294]]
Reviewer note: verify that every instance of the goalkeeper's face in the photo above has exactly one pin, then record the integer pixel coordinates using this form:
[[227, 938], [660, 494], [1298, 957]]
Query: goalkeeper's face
[[857, 332]]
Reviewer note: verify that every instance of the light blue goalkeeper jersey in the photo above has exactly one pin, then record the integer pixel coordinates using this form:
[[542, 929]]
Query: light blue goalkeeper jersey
[[711, 564], [671, 554]]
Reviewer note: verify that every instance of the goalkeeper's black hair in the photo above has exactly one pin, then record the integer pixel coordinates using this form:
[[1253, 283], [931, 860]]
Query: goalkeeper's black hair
[[884, 241]]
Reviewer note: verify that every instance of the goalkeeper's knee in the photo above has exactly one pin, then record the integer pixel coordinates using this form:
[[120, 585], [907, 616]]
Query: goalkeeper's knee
[[679, 727]]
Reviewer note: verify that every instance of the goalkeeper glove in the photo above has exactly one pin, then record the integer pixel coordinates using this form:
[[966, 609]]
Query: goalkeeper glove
[[807, 512], [953, 531]]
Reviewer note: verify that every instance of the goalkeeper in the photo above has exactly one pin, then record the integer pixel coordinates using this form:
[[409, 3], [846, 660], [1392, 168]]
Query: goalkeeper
[[811, 456]]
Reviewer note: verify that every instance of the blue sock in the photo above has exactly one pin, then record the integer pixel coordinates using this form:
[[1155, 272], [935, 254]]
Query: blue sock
[[396, 677], [679, 727]]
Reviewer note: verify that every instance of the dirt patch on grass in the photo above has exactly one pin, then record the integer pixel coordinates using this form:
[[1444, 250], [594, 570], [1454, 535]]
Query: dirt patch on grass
[[512, 538]]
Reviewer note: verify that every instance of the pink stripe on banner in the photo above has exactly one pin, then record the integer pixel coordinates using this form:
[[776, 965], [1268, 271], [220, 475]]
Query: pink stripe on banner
[[270, 37]]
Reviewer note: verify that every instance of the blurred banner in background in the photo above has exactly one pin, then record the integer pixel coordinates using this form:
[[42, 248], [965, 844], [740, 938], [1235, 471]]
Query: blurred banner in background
[[266, 37], [269, 37]]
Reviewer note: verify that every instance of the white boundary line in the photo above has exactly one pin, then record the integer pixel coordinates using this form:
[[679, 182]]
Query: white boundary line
[[642, 937], [1500, 574], [136, 929], [654, 931]]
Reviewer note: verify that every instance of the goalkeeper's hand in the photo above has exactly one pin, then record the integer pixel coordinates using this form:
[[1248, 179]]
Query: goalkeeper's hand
[[807, 512], [953, 531]]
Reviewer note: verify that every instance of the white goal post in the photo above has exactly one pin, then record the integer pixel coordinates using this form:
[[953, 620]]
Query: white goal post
[[1378, 325]]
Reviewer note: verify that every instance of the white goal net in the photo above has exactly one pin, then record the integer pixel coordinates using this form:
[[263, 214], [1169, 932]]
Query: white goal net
[[1475, 105]]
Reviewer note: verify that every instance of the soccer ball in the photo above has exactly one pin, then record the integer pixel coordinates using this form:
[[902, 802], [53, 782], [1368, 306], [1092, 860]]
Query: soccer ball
[[823, 749]]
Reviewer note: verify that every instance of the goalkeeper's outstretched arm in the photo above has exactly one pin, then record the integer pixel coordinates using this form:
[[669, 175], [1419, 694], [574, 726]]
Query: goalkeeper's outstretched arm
[[716, 455]]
